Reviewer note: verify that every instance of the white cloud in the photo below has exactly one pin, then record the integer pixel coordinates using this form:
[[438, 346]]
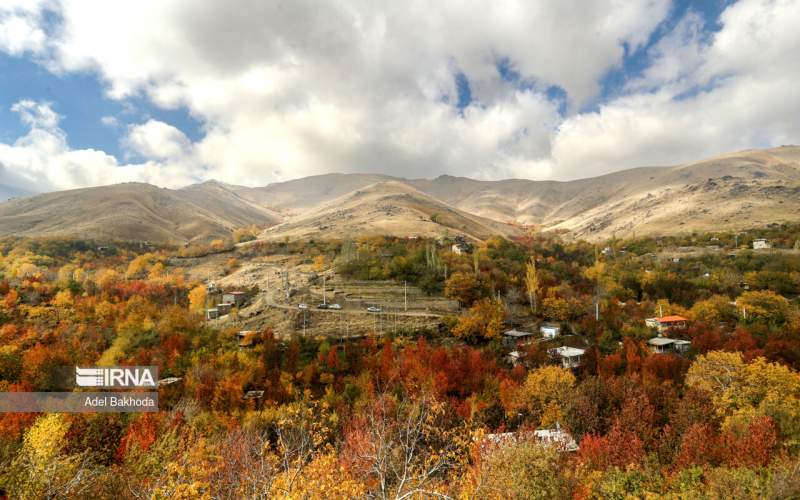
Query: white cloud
[[297, 88], [156, 140], [36, 114], [20, 26], [701, 97], [109, 121], [42, 160]]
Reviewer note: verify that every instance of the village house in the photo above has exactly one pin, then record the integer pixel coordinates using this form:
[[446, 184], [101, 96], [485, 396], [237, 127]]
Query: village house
[[224, 308], [236, 298], [512, 338], [761, 244], [514, 358], [212, 313], [663, 345], [664, 323], [569, 357], [556, 438], [550, 330]]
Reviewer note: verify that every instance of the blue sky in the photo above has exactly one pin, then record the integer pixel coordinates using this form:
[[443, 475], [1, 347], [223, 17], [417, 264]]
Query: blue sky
[[255, 92], [80, 98]]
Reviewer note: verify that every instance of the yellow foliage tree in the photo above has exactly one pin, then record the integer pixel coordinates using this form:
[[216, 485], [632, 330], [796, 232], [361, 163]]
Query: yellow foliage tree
[[156, 272], [741, 391], [532, 283], [765, 305], [41, 470], [323, 477], [544, 393], [485, 319], [714, 309], [139, 265], [63, 299], [104, 278], [197, 298]]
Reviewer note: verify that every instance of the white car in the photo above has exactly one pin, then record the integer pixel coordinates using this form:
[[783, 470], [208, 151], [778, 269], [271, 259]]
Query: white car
[[302, 306], [373, 309], [334, 306]]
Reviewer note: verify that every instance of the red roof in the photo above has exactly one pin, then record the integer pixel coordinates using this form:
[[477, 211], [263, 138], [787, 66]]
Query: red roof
[[671, 319]]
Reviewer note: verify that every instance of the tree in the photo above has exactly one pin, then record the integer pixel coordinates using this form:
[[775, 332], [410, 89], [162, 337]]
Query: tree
[[545, 394], [532, 285], [515, 469], [742, 391], [156, 271], [766, 306], [485, 319], [197, 298], [42, 469], [462, 287], [404, 449], [319, 263], [139, 265], [554, 307], [63, 299], [713, 310]]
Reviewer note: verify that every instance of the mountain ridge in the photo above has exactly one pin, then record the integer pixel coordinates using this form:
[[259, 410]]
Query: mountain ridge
[[731, 191]]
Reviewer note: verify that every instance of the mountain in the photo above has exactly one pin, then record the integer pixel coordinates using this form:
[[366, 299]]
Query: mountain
[[299, 195], [134, 212], [387, 208], [729, 192], [734, 191]]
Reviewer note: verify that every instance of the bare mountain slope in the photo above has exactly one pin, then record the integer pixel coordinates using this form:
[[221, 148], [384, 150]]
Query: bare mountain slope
[[387, 208], [299, 195], [734, 191], [132, 211]]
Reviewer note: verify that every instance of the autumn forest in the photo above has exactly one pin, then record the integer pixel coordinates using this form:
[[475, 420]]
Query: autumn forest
[[458, 410]]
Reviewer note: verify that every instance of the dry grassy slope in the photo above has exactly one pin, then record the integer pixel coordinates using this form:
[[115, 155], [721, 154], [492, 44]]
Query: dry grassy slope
[[736, 191], [387, 208], [222, 200], [300, 195], [131, 211]]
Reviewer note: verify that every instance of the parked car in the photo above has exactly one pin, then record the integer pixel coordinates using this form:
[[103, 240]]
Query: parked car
[[322, 306], [334, 306], [373, 309], [302, 306]]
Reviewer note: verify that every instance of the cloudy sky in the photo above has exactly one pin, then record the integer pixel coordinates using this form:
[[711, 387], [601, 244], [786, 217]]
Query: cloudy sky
[[251, 91]]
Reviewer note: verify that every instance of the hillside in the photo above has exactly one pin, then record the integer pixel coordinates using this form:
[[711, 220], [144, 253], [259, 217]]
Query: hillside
[[297, 196], [387, 208], [132, 211], [729, 192], [734, 191]]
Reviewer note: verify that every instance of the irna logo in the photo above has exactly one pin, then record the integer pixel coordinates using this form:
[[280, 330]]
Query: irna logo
[[125, 376]]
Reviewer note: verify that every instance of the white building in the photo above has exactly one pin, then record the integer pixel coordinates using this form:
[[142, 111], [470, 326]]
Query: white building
[[662, 345], [511, 338], [761, 244], [557, 438], [550, 330], [570, 357]]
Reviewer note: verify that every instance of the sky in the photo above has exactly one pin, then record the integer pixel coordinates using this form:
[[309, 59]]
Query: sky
[[250, 92]]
